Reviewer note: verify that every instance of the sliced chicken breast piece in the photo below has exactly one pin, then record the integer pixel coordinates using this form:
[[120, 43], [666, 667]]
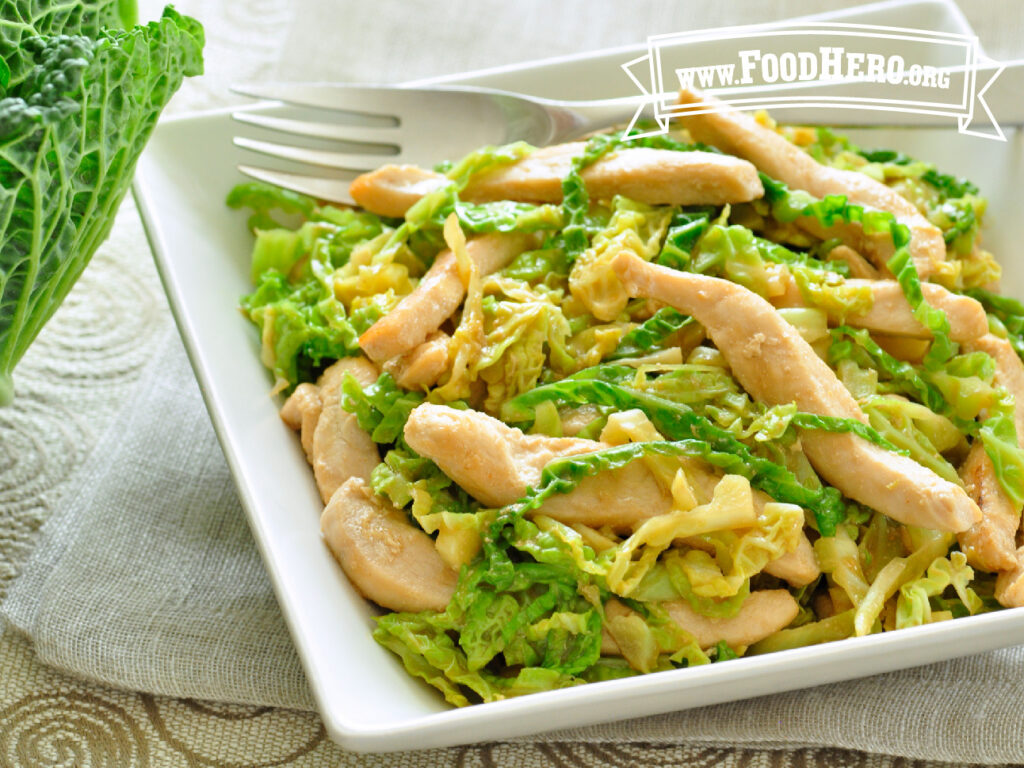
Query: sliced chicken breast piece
[[422, 366], [437, 296], [797, 568], [1009, 373], [740, 134], [301, 412], [891, 314], [653, 176], [1010, 584], [764, 613], [776, 366], [990, 544], [620, 498], [386, 558], [341, 448], [493, 462], [497, 464], [391, 190]]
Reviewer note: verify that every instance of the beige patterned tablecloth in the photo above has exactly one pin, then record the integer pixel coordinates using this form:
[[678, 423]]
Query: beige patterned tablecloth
[[89, 358], [47, 719]]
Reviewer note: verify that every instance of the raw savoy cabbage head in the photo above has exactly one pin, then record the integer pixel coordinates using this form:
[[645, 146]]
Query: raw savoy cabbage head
[[81, 89]]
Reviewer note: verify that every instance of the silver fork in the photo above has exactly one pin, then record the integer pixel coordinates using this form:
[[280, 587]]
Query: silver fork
[[419, 126], [369, 125]]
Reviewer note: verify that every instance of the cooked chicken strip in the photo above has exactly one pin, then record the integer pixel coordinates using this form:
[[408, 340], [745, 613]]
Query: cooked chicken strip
[[654, 176], [386, 558], [1009, 373], [341, 449], [799, 567], [890, 312], [391, 190], [497, 464], [1010, 584], [764, 613], [437, 296], [301, 412], [991, 544], [859, 266], [620, 498], [493, 462], [740, 134], [776, 366], [423, 365]]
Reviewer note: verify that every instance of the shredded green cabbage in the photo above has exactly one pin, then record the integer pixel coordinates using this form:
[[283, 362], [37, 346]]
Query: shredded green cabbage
[[633, 228], [960, 390], [913, 607], [537, 622], [382, 408], [575, 200], [651, 334], [301, 326]]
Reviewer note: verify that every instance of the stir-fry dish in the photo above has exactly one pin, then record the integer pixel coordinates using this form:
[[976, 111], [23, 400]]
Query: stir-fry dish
[[634, 404]]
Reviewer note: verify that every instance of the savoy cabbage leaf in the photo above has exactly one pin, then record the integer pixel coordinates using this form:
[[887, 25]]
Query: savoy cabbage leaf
[[82, 101], [23, 19]]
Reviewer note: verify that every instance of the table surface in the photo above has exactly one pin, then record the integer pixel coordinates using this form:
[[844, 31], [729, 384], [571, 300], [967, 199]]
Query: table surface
[[82, 366]]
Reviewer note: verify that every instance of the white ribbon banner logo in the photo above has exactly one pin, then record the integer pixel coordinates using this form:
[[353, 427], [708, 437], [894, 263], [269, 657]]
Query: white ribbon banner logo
[[818, 64]]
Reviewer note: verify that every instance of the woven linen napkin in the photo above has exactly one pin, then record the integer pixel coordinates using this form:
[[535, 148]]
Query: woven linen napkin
[[148, 578]]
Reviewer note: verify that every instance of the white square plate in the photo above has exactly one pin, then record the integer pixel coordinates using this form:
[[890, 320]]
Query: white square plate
[[367, 700]]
